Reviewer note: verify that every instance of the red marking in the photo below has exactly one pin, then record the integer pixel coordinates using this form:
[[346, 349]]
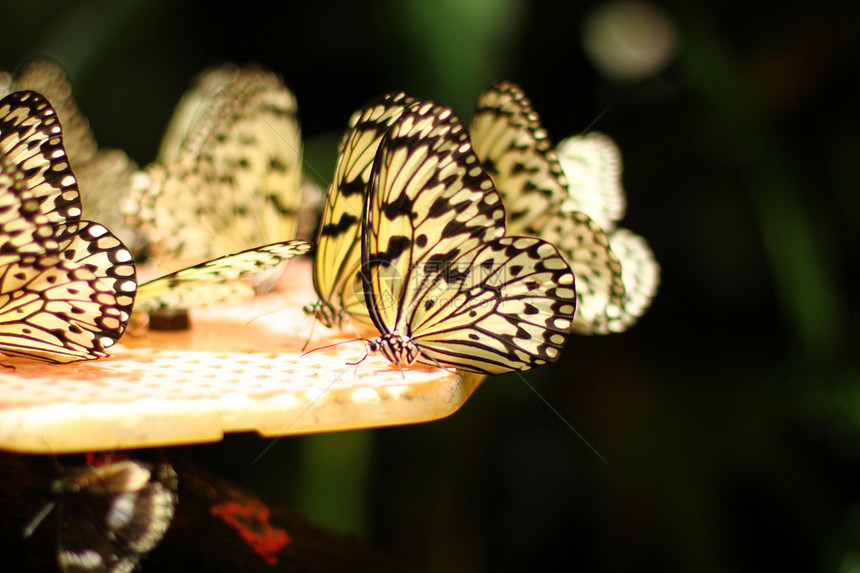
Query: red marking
[[251, 520]]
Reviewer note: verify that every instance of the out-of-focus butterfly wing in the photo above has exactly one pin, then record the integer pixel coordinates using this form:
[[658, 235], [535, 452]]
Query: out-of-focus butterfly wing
[[226, 278], [592, 165], [235, 181]]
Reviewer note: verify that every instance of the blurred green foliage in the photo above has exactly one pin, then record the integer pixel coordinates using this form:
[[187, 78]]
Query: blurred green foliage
[[730, 416]]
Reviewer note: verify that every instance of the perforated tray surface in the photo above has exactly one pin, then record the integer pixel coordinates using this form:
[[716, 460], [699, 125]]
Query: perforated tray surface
[[239, 368]]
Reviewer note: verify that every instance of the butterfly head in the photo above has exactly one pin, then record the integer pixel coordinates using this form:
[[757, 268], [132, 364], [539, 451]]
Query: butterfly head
[[323, 312], [397, 348]]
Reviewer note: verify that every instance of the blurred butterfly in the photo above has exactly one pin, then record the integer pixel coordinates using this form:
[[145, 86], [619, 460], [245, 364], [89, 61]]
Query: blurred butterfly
[[110, 516], [444, 284], [517, 154], [228, 175], [231, 277], [66, 285], [592, 164], [338, 254], [104, 175]]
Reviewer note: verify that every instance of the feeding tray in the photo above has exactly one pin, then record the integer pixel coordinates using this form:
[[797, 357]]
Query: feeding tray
[[239, 368]]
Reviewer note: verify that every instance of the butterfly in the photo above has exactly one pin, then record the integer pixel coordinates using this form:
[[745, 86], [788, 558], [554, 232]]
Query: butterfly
[[516, 152], [228, 174], [67, 285], [338, 254], [104, 175], [592, 164], [110, 516], [444, 284], [230, 277]]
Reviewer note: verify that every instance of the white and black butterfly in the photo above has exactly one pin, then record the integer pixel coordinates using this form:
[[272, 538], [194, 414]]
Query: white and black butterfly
[[110, 516], [222, 202], [443, 283], [592, 164], [516, 151], [228, 176], [67, 285], [231, 277]]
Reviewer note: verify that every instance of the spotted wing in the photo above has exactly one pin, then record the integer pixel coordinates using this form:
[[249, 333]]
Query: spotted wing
[[235, 182], [112, 516], [31, 138], [516, 152], [436, 266], [338, 254], [511, 143], [69, 305], [592, 165], [225, 278]]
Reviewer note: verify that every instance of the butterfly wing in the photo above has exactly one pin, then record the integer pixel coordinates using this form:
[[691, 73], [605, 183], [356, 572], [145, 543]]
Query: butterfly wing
[[640, 272], [592, 165], [225, 278], [436, 266], [111, 516], [31, 138], [517, 153], [66, 285], [235, 181], [67, 305], [338, 254]]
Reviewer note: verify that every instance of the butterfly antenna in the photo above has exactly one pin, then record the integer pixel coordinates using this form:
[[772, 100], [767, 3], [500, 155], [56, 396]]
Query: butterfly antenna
[[331, 345]]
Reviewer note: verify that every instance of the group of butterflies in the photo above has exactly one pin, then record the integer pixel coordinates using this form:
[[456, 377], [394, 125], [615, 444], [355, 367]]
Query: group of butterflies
[[454, 246]]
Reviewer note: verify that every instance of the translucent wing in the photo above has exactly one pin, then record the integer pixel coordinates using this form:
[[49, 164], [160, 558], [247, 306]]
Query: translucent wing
[[640, 272], [444, 286], [31, 138], [66, 285], [517, 153], [338, 254], [592, 165], [225, 278], [235, 175], [67, 305], [111, 516]]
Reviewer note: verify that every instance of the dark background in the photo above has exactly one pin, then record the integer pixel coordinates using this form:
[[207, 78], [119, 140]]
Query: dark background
[[728, 415]]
